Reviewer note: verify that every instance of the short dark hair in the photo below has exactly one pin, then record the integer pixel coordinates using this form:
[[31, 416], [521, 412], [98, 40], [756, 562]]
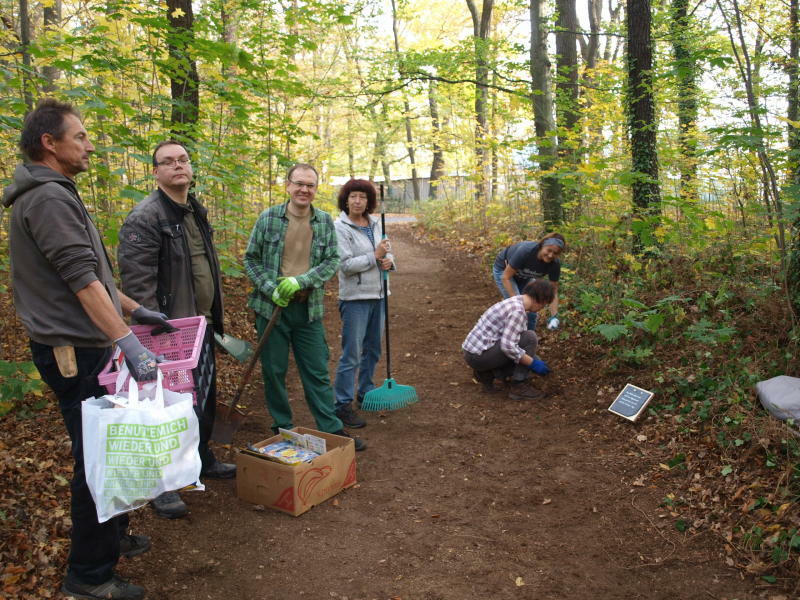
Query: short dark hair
[[47, 117], [358, 185], [160, 145], [541, 290], [296, 166]]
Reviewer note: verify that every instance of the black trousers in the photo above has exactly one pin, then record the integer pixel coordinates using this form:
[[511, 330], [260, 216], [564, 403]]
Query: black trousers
[[494, 359], [94, 549], [205, 379]]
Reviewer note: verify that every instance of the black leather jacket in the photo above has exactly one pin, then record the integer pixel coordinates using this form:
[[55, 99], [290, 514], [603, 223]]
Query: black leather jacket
[[155, 262]]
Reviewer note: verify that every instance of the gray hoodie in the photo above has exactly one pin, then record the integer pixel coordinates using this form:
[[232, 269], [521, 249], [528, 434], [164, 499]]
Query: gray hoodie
[[55, 251], [359, 275]]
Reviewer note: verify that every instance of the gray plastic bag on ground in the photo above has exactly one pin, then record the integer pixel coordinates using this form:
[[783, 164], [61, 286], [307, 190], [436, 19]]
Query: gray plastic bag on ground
[[781, 396]]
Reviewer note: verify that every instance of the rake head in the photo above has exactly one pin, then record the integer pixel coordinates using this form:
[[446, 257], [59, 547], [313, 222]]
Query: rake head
[[390, 396]]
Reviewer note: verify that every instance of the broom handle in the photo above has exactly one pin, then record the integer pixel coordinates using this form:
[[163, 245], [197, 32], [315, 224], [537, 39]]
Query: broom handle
[[386, 295]]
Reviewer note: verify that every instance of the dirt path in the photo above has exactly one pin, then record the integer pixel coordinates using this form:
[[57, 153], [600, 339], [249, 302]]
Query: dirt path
[[461, 496]]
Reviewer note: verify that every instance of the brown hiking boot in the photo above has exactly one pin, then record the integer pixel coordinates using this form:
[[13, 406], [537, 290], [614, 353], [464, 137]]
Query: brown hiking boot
[[523, 391]]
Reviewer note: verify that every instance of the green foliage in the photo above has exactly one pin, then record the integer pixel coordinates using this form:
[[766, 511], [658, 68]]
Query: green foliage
[[677, 460], [16, 381]]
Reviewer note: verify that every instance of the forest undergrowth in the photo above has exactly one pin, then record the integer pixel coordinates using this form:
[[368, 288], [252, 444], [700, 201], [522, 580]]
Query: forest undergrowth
[[700, 327]]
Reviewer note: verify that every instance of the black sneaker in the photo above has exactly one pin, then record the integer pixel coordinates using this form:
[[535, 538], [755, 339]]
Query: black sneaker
[[219, 470], [520, 390], [133, 545], [115, 588], [169, 505], [360, 444], [350, 417]]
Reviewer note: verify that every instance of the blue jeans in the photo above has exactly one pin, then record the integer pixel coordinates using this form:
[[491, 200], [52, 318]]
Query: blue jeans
[[362, 326], [518, 285], [94, 548]]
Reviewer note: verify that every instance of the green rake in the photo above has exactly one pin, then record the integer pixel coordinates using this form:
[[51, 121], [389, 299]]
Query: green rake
[[391, 395]]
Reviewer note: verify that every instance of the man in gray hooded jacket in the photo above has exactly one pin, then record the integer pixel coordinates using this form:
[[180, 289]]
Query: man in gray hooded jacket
[[65, 296]]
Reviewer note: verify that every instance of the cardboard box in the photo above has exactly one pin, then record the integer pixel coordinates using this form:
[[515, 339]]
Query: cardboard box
[[296, 489]]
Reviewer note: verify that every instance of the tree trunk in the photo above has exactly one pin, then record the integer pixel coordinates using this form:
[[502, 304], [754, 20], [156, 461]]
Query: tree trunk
[[542, 99], [52, 20], [567, 108], [495, 160], [640, 105], [481, 25], [437, 161], [746, 72], [568, 111], [612, 42], [407, 109], [590, 50], [25, 43], [351, 158], [590, 47], [793, 114], [182, 70], [686, 82]]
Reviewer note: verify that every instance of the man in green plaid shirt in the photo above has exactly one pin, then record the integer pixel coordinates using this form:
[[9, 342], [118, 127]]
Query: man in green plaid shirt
[[291, 254]]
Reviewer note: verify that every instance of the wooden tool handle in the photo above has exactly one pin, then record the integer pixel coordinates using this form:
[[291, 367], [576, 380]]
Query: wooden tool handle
[[253, 360]]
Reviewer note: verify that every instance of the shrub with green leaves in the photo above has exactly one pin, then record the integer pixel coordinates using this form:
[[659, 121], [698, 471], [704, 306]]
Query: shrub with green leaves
[[17, 379]]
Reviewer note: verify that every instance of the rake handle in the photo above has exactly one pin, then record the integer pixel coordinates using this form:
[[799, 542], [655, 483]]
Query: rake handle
[[386, 296]]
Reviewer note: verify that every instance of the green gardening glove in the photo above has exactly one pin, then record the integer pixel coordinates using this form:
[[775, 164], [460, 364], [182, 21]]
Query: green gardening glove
[[287, 287], [279, 300]]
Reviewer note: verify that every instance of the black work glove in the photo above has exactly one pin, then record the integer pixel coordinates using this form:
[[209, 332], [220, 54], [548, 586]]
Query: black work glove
[[146, 316], [142, 363]]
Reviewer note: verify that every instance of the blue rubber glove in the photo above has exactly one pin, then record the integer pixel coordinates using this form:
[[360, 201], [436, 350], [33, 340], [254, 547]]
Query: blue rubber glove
[[279, 300], [539, 367], [287, 287], [553, 322]]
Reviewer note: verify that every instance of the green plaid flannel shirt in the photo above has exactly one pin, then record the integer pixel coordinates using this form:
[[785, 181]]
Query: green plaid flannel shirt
[[262, 259]]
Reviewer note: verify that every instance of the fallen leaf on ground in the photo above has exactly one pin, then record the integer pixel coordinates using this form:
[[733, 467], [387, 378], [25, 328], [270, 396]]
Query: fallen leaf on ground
[[547, 501]]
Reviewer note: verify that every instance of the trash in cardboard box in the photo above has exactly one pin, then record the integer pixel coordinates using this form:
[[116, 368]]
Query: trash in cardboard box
[[285, 452], [296, 488], [293, 448]]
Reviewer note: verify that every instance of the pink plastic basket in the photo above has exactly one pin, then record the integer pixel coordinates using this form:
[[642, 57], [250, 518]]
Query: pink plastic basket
[[181, 349]]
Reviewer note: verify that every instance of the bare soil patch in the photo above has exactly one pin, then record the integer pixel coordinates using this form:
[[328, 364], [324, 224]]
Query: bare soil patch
[[461, 496]]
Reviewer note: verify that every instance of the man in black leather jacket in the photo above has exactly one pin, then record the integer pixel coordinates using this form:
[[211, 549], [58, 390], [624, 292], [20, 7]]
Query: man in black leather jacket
[[168, 263]]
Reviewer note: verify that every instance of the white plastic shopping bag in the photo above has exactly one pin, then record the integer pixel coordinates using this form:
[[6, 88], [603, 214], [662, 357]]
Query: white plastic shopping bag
[[139, 445]]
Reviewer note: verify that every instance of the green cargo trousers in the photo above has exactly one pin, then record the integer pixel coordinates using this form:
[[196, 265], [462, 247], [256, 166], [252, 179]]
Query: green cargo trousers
[[311, 357]]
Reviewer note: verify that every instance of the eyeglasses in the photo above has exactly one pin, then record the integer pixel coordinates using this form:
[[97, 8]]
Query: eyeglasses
[[308, 186], [170, 163]]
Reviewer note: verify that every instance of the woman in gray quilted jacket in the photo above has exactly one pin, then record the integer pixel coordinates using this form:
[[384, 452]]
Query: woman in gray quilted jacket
[[364, 253]]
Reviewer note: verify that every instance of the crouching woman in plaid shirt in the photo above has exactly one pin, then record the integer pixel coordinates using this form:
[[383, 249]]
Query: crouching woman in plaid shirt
[[501, 345]]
